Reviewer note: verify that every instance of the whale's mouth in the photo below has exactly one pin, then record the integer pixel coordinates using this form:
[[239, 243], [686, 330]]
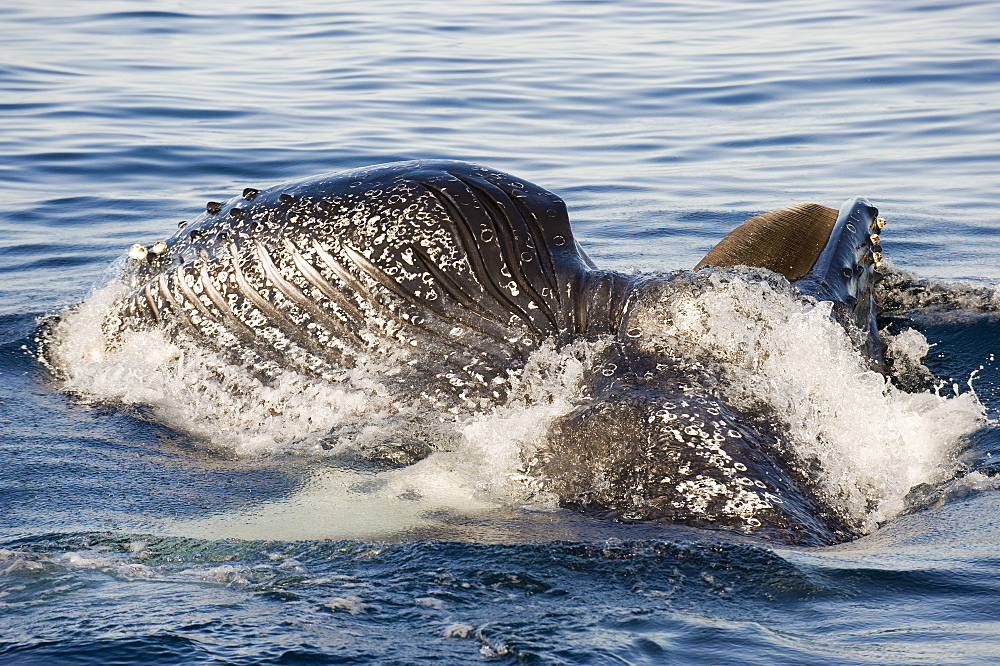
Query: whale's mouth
[[827, 254]]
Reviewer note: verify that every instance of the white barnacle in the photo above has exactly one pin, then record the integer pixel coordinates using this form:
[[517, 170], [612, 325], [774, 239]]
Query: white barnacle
[[137, 252]]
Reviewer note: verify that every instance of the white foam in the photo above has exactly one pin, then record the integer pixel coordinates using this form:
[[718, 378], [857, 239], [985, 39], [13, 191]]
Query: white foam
[[970, 483], [907, 346], [195, 391]]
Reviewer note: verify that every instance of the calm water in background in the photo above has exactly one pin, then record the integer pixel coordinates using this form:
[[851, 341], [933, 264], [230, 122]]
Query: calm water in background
[[662, 126]]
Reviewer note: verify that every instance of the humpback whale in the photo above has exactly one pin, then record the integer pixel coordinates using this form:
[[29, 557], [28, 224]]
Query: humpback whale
[[457, 273]]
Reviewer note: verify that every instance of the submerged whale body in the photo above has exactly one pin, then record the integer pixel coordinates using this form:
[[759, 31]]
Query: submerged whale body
[[458, 273]]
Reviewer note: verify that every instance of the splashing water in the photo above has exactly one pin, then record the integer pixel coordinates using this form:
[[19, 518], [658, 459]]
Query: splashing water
[[194, 391], [863, 442]]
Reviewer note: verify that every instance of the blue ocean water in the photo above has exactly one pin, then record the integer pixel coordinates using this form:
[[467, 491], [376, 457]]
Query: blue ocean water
[[662, 126]]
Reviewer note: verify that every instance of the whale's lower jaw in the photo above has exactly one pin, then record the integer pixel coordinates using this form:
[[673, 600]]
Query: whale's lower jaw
[[452, 275], [725, 476]]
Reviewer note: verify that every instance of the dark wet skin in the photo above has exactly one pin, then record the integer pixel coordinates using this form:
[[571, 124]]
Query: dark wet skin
[[458, 273]]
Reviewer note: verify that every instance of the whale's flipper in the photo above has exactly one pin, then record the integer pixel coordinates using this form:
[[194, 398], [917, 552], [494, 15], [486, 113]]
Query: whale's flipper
[[785, 241]]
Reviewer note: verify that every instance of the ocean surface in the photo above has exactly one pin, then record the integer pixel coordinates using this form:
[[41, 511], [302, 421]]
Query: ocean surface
[[140, 523]]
